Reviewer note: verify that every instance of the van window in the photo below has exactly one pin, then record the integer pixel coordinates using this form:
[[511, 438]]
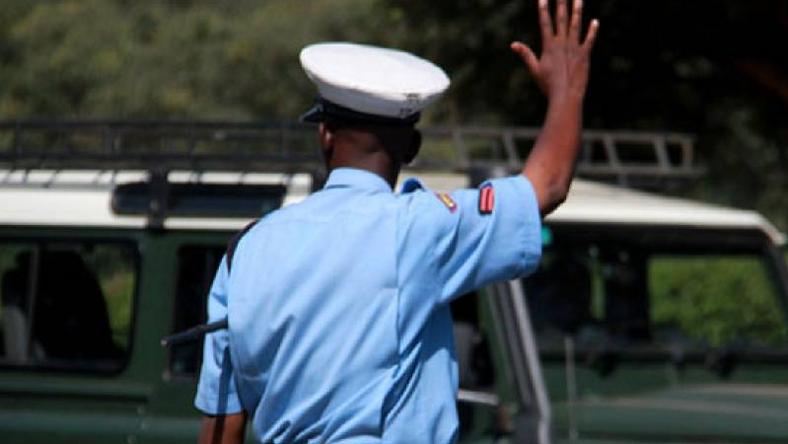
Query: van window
[[66, 305], [625, 298], [197, 266], [719, 300]]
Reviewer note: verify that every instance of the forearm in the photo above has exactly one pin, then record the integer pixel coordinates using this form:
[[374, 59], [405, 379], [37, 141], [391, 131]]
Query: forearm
[[562, 74], [550, 166], [224, 429]]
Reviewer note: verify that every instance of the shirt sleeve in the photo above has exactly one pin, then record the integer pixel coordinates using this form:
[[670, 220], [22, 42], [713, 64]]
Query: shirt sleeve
[[480, 236], [216, 389]]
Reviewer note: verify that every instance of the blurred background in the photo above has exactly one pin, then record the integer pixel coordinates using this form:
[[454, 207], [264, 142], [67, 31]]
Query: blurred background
[[683, 321], [716, 69]]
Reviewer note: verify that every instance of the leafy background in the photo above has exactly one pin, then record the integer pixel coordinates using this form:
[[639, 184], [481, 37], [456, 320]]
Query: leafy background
[[714, 68]]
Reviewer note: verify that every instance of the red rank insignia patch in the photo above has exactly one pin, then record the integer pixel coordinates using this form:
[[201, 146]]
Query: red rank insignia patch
[[447, 200], [486, 199]]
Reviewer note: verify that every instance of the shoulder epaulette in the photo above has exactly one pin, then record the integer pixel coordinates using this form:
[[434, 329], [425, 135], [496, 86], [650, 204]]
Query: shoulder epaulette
[[410, 185]]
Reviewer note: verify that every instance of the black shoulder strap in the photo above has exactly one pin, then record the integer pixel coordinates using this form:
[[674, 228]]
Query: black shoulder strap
[[234, 243]]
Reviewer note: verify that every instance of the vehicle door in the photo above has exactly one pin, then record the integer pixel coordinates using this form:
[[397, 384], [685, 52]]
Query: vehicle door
[[67, 306], [502, 397], [194, 258]]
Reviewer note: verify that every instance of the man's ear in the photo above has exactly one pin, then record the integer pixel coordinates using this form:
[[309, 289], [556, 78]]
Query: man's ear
[[413, 149], [326, 136]]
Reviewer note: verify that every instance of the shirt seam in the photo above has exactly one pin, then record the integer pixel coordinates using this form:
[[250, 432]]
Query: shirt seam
[[286, 219], [397, 318]]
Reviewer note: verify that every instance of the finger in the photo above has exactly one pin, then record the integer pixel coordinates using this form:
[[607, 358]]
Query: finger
[[545, 22], [527, 55], [560, 19], [577, 18], [591, 35]]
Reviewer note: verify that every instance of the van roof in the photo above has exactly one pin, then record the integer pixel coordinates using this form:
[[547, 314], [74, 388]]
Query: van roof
[[82, 198], [591, 202]]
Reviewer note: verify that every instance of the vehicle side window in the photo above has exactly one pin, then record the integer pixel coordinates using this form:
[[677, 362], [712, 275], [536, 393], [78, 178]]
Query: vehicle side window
[[196, 269], [66, 305], [564, 296], [623, 298], [716, 300]]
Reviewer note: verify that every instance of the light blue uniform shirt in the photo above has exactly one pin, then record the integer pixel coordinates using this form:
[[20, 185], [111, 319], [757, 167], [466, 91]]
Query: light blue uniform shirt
[[340, 329]]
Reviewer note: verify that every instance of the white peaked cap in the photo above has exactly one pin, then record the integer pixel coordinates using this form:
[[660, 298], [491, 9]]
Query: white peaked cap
[[371, 80]]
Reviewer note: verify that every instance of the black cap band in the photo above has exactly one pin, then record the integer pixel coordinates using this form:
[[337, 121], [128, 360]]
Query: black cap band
[[324, 110]]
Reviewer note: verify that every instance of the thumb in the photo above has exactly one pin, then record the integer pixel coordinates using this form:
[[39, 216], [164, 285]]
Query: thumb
[[527, 55]]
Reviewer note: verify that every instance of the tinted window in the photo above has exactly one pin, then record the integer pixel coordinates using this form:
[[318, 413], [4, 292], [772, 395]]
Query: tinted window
[[186, 199], [619, 297], [196, 269], [66, 305]]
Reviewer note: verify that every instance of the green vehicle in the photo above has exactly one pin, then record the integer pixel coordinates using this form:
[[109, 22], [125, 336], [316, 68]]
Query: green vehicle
[[650, 320]]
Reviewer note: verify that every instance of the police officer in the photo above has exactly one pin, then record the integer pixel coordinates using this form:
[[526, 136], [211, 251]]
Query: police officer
[[338, 307]]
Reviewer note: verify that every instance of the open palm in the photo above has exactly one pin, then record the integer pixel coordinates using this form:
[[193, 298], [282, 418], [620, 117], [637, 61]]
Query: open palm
[[562, 69]]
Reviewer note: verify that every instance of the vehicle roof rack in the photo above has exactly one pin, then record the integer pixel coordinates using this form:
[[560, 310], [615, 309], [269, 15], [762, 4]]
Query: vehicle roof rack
[[629, 158], [157, 145], [650, 160]]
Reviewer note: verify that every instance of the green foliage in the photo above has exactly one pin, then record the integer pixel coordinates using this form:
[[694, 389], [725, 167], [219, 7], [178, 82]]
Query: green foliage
[[748, 163], [114, 268], [652, 68], [118, 290], [96, 58], [718, 300], [470, 39]]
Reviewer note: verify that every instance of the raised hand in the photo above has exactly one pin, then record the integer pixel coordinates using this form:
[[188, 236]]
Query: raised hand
[[562, 70], [562, 74]]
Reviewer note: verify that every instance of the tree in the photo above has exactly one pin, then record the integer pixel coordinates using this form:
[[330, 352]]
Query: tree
[[713, 68], [205, 59]]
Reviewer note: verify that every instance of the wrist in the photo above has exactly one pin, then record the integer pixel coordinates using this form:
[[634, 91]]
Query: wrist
[[565, 98]]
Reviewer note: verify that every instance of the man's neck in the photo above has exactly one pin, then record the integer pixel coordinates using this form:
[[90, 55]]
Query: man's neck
[[379, 164]]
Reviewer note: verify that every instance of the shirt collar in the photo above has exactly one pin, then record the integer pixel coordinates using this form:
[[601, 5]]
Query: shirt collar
[[356, 178]]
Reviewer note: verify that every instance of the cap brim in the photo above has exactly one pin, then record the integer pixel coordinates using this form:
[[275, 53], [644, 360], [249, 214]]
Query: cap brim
[[324, 110], [313, 115]]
